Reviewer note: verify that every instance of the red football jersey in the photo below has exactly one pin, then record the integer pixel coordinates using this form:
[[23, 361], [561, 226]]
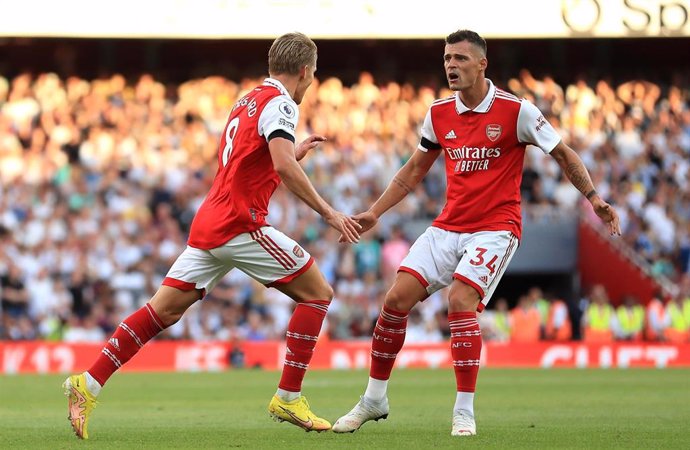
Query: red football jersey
[[484, 151], [238, 200]]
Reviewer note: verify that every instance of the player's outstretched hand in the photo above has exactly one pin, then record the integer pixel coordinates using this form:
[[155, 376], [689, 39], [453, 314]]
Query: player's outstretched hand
[[308, 144], [608, 215], [366, 221], [348, 227]]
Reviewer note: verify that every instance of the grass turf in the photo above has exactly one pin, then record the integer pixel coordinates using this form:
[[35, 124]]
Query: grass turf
[[514, 408]]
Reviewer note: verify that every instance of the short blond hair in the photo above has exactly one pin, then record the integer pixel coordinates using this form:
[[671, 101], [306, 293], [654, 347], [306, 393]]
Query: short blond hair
[[290, 52]]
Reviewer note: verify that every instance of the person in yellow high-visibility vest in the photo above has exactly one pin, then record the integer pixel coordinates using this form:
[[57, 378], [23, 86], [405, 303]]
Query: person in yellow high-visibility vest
[[630, 318], [501, 322], [599, 319], [677, 319]]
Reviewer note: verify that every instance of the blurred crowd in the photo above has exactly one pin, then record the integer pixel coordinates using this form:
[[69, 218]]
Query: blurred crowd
[[100, 179]]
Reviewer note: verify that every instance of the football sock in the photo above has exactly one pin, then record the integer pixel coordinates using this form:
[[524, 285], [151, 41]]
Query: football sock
[[376, 389], [132, 333], [388, 339], [302, 333], [92, 385], [466, 348], [288, 396], [464, 402]]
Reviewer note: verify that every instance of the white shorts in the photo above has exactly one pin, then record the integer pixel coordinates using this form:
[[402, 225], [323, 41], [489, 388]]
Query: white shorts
[[477, 259], [267, 255]]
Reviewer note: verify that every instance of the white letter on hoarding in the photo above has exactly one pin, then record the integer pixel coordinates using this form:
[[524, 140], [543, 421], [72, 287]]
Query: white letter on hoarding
[[605, 357], [582, 357], [340, 360], [627, 354], [188, 359], [661, 355], [434, 358], [13, 358], [64, 356], [41, 359], [214, 358], [555, 353]]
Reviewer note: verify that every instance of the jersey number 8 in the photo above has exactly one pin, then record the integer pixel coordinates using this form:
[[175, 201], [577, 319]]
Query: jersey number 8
[[230, 131]]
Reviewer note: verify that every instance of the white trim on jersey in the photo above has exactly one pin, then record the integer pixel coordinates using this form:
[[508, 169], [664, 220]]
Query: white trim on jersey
[[533, 128], [482, 107], [280, 113], [276, 84], [427, 130], [443, 100], [500, 93]]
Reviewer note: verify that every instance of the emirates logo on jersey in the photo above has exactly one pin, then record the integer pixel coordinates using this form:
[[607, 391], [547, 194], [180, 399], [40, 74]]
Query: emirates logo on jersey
[[297, 250], [493, 132]]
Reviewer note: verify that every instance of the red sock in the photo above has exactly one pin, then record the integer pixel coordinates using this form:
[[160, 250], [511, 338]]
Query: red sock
[[132, 333], [388, 339], [466, 348], [302, 334]]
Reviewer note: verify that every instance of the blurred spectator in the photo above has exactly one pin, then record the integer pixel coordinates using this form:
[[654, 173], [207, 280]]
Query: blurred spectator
[[630, 319], [599, 319], [558, 326], [99, 180], [654, 320], [15, 298], [677, 317], [495, 323], [525, 321]]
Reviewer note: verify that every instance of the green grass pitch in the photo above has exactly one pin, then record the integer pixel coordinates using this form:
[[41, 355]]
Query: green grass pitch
[[515, 409]]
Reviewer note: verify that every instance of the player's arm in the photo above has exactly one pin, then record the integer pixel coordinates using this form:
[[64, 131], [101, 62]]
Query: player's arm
[[308, 144], [534, 129], [285, 164], [573, 167], [402, 184]]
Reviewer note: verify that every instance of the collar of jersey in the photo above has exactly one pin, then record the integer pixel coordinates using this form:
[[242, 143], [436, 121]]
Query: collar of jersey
[[276, 84], [483, 107]]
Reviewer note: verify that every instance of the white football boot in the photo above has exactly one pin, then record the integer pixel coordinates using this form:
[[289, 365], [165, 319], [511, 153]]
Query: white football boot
[[364, 411], [463, 425]]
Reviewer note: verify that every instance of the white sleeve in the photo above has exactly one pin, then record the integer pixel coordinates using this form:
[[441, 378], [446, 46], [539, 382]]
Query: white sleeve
[[429, 140], [533, 128], [280, 113]]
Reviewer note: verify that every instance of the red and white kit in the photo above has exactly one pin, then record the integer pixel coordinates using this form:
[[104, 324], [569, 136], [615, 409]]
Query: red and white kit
[[230, 229], [478, 231]]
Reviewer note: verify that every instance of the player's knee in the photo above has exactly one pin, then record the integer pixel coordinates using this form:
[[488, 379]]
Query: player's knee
[[327, 292], [321, 291], [396, 300], [463, 298]]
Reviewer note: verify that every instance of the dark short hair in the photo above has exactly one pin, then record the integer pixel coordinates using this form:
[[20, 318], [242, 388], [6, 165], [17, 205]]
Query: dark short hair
[[469, 36]]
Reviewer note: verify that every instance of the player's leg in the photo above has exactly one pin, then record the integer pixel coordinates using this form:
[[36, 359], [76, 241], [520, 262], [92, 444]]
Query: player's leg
[[486, 257], [275, 260], [313, 295], [387, 340], [193, 272], [466, 347], [424, 270]]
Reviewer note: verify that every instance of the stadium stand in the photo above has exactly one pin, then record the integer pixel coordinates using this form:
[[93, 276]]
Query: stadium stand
[[100, 178]]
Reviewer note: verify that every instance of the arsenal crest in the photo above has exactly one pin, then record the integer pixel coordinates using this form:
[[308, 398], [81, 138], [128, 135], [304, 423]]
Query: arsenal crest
[[298, 251], [493, 132]]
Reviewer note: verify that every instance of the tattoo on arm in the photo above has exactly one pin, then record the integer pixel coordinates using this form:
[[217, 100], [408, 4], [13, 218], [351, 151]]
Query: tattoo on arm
[[402, 184], [577, 174]]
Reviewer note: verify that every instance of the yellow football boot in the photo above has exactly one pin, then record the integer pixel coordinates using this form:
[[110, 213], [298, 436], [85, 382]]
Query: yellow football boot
[[297, 412], [81, 404]]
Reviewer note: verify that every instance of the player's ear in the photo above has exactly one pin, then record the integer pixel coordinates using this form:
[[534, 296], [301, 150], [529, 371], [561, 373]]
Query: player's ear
[[483, 63], [303, 72]]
